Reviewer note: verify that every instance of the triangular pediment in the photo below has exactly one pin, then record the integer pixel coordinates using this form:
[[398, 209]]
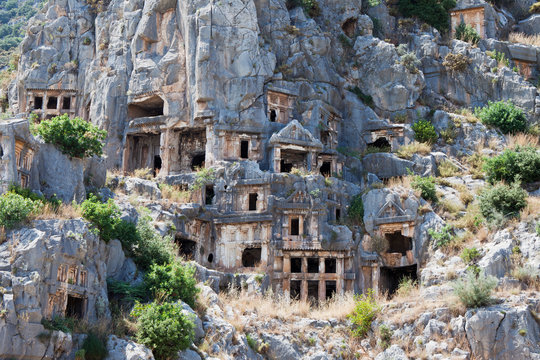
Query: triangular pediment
[[295, 133], [299, 197], [390, 210]]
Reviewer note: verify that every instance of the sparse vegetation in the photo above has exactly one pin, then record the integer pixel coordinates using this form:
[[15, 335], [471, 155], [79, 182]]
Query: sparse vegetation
[[474, 290], [522, 38], [366, 99], [410, 61], [94, 347], [356, 210], [202, 177], [311, 7], [365, 311], [500, 57], [504, 115], [447, 169], [467, 33], [407, 151], [74, 137], [433, 12], [426, 186], [442, 237]]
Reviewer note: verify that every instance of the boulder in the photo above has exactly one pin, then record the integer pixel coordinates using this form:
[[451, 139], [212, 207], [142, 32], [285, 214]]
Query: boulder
[[121, 349], [394, 352]]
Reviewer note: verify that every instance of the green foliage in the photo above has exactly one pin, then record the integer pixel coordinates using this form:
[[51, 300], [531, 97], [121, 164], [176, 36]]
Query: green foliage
[[500, 57], [373, 3], [366, 99], [538, 228], [14, 209], [74, 137], [152, 248], [385, 335], [202, 177], [252, 342], [424, 131], [442, 237], [311, 7], [475, 289], [470, 256], [163, 328], [504, 115], [502, 200], [521, 163], [410, 61], [365, 311], [467, 33], [104, 216], [79, 354], [173, 282], [125, 291], [426, 186], [433, 12], [94, 347], [447, 169], [29, 194], [356, 210], [127, 233], [535, 8], [59, 323]]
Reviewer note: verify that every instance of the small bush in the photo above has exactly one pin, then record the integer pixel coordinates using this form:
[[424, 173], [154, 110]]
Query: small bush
[[426, 186], [424, 131], [504, 115], [448, 169], [173, 282], [366, 99], [356, 210], [467, 33], [526, 274], [500, 57], [202, 177], [94, 348], [502, 200], [407, 151], [385, 335], [521, 163], [311, 7], [152, 248], [535, 8], [456, 62], [14, 209], [59, 324], [443, 237], [104, 216], [406, 286], [126, 292], [74, 137], [470, 256], [365, 311], [410, 61], [163, 328], [128, 235], [475, 289]]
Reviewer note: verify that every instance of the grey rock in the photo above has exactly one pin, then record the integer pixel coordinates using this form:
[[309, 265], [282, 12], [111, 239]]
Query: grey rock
[[394, 352], [279, 348], [120, 349]]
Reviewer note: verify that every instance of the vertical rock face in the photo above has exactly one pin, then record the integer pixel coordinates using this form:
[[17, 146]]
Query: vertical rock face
[[56, 268]]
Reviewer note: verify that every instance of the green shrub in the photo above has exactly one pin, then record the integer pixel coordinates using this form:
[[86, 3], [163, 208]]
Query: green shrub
[[433, 12], [152, 247], [365, 311], [173, 282], [424, 131], [470, 256], [127, 233], [526, 274], [410, 61], [252, 342], [104, 216], [94, 347], [74, 137], [504, 115], [366, 99], [426, 186], [475, 289], [356, 210], [311, 7], [442, 237], [385, 335], [163, 328], [59, 324], [125, 291], [521, 163], [14, 209], [500, 57], [467, 33], [502, 200]]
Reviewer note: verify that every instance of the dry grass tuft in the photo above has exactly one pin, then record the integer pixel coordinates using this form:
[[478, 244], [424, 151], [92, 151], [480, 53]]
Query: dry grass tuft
[[532, 209], [522, 139], [407, 151], [399, 181], [175, 194], [522, 38], [283, 308], [64, 211]]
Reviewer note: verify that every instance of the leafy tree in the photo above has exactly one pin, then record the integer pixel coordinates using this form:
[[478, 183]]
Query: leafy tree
[[74, 137], [173, 281], [504, 115], [164, 328], [424, 131]]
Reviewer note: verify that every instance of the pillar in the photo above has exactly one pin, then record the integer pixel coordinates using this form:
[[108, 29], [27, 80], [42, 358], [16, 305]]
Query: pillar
[[340, 273], [304, 290]]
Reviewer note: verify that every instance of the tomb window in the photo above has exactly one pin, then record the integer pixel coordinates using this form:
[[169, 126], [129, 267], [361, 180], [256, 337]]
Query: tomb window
[[251, 257], [330, 266], [313, 265], [66, 103], [75, 307], [52, 103], [38, 102], [244, 149], [209, 194], [295, 226], [296, 265], [253, 201]]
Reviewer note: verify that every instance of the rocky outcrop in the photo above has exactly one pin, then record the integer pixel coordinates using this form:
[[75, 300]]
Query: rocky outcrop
[[120, 349], [54, 268]]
